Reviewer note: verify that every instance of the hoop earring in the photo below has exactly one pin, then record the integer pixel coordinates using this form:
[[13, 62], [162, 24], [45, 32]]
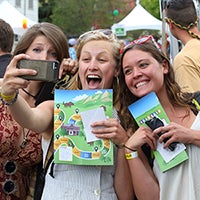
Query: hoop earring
[[117, 79]]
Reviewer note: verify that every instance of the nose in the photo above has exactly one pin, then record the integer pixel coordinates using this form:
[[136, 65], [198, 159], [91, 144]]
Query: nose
[[136, 72], [93, 65]]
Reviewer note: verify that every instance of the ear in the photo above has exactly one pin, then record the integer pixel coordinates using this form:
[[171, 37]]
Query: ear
[[171, 25], [165, 65], [117, 71]]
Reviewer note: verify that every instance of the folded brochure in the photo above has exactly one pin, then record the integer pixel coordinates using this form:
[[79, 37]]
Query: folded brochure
[[147, 108]]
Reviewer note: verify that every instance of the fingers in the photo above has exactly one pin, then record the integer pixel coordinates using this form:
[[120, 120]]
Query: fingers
[[68, 66], [110, 129], [11, 80]]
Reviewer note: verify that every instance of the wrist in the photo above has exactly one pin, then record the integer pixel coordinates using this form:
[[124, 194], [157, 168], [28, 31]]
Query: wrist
[[131, 155], [9, 99]]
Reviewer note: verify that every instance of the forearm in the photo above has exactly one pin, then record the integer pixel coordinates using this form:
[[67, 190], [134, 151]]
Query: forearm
[[144, 182], [122, 181], [31, 118]]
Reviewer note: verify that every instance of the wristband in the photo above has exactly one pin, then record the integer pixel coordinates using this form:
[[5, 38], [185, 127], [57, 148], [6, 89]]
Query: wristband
[[131, 155], [9, 97], [11, 101]]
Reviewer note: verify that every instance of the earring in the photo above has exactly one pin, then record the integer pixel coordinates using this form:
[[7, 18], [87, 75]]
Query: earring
[[117, 79]]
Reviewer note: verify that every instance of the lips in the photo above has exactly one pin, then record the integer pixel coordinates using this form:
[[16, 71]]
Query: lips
[[94, 81]]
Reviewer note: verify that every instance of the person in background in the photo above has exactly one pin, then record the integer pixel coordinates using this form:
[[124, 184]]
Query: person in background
[[21, 147], [98, 57], [72, 51], [182, 19], [6, 45], [146, 69]]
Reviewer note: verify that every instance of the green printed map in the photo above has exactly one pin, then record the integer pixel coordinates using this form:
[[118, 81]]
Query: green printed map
[[71, 145]]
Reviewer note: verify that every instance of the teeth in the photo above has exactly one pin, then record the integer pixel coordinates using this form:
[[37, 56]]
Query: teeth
[[93, 76], [141, 84]]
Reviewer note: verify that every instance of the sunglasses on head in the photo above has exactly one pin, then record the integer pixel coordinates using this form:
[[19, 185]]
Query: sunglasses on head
[[106, 32], [141, 40]]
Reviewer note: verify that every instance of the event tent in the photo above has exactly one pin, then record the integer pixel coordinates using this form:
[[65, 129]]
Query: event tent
[[138, 19], [12, 16]]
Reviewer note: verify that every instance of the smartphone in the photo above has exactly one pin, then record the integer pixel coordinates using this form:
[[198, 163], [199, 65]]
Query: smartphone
[[155, 123], [46, 70]]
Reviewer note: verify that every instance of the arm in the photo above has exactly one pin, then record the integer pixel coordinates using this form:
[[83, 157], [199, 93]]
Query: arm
[[21, 111], [144, 181], [28, 117], [122, 180]]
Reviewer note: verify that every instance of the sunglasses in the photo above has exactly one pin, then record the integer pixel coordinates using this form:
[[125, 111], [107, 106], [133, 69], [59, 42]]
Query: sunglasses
[[9, 186], [141, 40], [106, 32]]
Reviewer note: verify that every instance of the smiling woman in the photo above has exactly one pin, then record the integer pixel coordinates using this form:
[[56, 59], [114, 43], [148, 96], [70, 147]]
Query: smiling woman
[[146, 69]]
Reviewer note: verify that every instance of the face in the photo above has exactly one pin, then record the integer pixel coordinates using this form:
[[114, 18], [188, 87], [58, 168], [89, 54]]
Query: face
[[143, 73], [97, 66], [41, 49]]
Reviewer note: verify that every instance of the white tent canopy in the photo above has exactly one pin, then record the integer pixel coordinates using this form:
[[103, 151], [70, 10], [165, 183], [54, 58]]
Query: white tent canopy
[[138, 19], [12, 16]]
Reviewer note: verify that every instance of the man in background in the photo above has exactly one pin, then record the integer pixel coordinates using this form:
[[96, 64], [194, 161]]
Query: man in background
[[6, 45], [182, 19]]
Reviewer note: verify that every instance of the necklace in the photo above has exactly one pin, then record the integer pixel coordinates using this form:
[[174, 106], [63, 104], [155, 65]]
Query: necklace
[[34, 96], [24, 142]]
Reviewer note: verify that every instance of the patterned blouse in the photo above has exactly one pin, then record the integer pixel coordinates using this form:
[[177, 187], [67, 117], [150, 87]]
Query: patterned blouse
[[16, 163]]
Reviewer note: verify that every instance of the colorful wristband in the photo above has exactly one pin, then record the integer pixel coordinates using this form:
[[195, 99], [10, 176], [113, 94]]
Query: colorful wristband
[[132, 155], [11, 101], [9, 97]]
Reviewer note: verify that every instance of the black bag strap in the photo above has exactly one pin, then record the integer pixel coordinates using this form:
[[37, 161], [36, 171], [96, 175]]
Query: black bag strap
[[41, 173], [49, 156]]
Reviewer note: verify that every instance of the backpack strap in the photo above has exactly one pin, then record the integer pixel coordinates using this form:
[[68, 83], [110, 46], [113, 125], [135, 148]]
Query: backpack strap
[[196, 100]]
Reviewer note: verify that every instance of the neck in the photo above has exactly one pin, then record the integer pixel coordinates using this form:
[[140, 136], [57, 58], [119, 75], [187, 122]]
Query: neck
[[29, 94], [185, 36], [3, 53], [32, 90]]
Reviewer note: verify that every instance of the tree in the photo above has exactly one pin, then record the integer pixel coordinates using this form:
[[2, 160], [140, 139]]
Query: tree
[[152, 6], [45, 10], [78, 16]]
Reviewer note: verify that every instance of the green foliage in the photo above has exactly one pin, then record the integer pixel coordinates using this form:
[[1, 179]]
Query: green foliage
[[78, 16], [152, 6]]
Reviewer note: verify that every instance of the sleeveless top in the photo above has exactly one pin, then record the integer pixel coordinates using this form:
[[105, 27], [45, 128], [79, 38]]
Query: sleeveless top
[[182, 182], [79, 182], [16, 163]]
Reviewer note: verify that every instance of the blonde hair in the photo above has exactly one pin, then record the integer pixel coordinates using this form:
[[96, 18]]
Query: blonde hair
[[96, 35]]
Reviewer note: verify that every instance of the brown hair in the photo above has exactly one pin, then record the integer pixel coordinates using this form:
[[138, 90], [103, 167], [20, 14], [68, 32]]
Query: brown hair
[[6, 36], [52, 32], [174, 93]]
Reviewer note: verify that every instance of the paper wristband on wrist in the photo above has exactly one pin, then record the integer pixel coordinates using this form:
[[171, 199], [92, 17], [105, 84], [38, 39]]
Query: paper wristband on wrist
[[131, 155], [11, 100]]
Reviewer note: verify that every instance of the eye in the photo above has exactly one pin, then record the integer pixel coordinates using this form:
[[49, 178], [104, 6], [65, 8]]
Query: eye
[[37, 50], [143, 65], [53, 54], [127, 71], [102, 60]]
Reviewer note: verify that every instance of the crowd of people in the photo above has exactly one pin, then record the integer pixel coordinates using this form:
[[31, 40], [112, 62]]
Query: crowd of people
[[132, 71]]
